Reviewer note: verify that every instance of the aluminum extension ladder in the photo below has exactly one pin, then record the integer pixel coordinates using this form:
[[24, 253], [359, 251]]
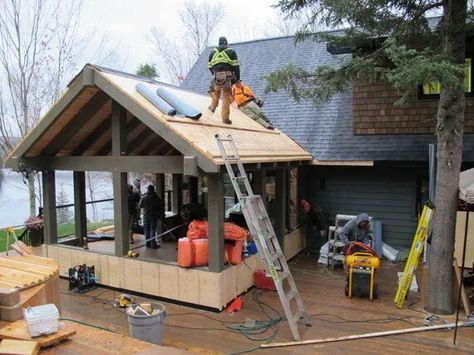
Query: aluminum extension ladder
[[261, 229]]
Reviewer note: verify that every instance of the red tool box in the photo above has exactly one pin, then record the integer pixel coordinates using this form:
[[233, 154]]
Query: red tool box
[[263, 281]]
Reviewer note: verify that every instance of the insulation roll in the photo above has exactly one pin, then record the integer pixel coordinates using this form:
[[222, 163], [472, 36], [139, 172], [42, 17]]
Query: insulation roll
[[157, 101], [178, 104]]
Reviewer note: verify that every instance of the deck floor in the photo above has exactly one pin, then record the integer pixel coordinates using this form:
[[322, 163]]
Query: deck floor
[[168, 251], [333, 314]]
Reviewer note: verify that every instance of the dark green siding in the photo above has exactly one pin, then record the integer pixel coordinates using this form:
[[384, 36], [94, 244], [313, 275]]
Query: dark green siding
[[386, 193]]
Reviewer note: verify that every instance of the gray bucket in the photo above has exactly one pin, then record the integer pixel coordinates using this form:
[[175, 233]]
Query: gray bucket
[[147, 327]]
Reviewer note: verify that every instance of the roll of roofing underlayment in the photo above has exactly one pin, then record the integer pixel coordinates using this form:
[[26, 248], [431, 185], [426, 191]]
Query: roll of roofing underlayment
[[180, 106], [161, 104]]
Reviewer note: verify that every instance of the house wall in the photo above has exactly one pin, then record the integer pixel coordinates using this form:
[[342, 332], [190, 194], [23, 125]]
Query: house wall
[[374, 112], [387, 194]]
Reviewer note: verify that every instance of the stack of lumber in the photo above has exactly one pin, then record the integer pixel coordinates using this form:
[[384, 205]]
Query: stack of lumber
[[105, 229], [27, 281], [19, 330]]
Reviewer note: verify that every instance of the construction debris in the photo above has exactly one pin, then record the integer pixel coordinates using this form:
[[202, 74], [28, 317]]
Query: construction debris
[[364, 336]]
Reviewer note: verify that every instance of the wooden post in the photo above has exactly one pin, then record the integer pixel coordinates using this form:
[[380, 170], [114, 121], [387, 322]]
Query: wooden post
[[80, 214], [215, 206], [119, 148], [49, 207], [259, 183], [177, 192], [160, 186], [193, 189], [280, 204]]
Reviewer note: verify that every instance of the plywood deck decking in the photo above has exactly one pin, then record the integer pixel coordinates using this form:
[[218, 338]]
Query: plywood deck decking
[[323, 294]]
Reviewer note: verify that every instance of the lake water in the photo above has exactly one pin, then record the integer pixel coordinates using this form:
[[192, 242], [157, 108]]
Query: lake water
[[14, 201]]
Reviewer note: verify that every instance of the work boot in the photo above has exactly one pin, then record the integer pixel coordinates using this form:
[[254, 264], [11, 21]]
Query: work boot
[[270, 127], [212, 109], [226, 121]]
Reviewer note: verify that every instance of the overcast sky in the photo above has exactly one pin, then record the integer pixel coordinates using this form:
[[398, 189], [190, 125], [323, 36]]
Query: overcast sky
[[128, 22]]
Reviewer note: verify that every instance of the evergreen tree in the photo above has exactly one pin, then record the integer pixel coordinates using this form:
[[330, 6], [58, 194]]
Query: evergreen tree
[[148, 71], [64, 215], [398, 42]]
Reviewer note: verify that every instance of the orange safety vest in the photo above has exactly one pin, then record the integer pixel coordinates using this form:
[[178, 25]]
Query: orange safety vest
[[242, 95]]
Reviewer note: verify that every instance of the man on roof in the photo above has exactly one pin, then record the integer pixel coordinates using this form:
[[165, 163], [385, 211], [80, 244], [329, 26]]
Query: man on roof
[[249, 104], [224, 66]]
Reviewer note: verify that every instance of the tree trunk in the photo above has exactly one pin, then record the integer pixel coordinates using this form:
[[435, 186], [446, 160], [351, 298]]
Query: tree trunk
[[32, 193], [449, 132]]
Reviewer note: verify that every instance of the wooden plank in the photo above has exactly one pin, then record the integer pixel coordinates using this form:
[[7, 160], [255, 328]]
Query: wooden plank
[[361, 336], [132, 276], [64, 260], [19, 347], [19, 330], [104, 270], [115, 271], [150, 275], [26, 267], [188, 287], [93, 137], [169, 281], [227, 279], [209, 289], [69, 129]]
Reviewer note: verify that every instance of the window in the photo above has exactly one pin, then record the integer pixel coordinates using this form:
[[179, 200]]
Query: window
[[434, 88]]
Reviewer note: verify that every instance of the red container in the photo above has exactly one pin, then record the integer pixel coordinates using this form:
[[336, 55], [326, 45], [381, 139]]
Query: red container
[[263, 281]]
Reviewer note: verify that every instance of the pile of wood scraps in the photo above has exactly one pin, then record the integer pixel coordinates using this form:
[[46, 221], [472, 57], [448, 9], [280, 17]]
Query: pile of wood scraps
[[27, 281]]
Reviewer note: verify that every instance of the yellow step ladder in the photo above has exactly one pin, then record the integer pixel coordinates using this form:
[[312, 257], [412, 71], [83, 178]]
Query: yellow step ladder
[[415, 253]]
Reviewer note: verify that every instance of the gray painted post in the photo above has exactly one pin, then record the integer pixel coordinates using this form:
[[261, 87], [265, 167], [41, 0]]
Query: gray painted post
[[49, 207], [119, 148], [280, 204], [259, 181], [160, 191], [80, 216], [193, 189], [215, 206], [177, 192]]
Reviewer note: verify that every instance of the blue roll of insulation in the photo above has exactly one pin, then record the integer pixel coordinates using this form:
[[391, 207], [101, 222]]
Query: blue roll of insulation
[[157, 101], [178, 104]]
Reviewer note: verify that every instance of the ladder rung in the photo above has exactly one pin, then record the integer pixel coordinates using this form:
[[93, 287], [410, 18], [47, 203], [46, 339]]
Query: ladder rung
[[277, 256], [297, 316], [283, 275], [290, 295], [240, 177]]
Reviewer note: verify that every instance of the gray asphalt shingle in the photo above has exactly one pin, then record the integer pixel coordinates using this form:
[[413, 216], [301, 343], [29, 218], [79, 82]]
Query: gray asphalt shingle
[[324, 131]]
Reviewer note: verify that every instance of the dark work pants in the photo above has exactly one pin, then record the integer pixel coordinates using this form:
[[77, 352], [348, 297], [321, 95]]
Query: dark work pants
[[149, 228]]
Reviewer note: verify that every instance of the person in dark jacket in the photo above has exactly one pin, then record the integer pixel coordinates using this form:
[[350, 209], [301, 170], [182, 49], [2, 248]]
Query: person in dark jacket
[[133, 212], [153, 213], [316, 227], [357, 229], [225, 68]]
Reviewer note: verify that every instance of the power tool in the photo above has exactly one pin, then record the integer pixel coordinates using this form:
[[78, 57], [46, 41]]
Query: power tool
[[362, 261]]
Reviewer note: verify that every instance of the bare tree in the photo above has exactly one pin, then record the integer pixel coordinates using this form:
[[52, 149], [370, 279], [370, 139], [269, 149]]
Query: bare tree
[[174, 59], [40, 46], [200, 20], [177, 54]]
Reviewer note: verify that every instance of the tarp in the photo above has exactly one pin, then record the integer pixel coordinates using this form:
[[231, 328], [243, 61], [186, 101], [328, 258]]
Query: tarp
[[466, 186]]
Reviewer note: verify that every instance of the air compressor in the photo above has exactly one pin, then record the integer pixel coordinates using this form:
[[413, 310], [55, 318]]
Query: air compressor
[[362, 262]]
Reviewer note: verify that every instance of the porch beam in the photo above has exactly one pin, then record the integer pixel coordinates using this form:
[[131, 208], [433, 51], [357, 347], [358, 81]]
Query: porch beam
[[140, 164]]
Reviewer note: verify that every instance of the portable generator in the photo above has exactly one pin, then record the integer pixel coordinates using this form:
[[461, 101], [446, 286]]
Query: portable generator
[[362, 261]]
